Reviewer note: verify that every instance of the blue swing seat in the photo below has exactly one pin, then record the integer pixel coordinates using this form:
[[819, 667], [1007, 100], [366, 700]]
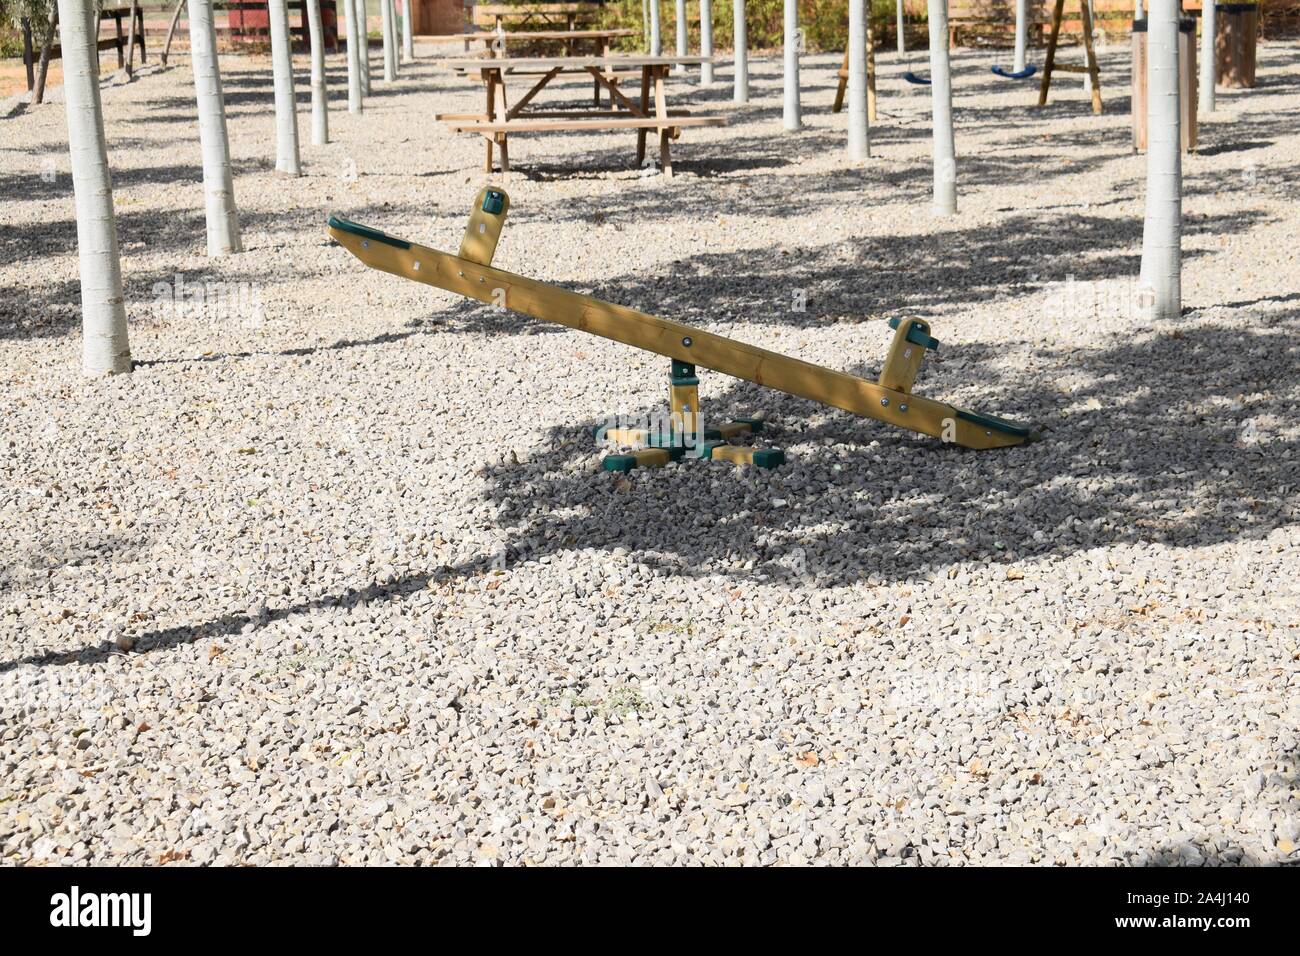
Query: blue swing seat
[[913, 78], [1018, 75]]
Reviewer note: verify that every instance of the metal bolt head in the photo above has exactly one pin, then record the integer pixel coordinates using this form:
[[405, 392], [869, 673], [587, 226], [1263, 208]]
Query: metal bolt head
[[903, 407], [884, 402], [686, 340]]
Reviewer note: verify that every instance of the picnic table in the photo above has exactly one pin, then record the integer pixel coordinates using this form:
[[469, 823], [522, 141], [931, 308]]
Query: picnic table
[[571, 38], [624, 113]]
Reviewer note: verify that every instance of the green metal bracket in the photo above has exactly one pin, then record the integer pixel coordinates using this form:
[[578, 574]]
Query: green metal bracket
[[917, 336], [365, 232]]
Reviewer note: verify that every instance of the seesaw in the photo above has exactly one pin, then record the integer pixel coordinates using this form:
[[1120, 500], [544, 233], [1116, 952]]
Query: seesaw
[[888, 399]]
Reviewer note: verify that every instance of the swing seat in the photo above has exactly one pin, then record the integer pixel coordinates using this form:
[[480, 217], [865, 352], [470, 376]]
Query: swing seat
[[913, 78], [1017, 75]]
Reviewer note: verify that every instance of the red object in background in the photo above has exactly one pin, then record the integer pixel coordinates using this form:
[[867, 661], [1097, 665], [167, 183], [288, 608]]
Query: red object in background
[[250, 22]]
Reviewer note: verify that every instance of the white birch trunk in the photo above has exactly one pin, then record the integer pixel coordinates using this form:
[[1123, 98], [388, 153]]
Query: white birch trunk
[[214, 141], [408, 33], [740, 88], [1209, 64], [1022, 34], [859, 143], [679, 15], [390, 47], [706, 41], [898, 17], [945, 153], [791, 116], [286, 104], [320, 107], [656, 29], [364, 45], [355, 101], [103, 310], [1160, 284], [1138, 12]]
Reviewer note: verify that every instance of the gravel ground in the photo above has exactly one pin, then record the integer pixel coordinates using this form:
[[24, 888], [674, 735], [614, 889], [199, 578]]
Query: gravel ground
[[335, 575]]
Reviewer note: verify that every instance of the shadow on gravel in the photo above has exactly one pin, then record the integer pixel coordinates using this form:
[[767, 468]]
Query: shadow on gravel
[[872, 276], [1177, 441]]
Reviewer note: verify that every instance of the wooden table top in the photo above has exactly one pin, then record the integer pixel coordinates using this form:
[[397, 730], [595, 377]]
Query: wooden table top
[[572, 62], [514, 35]]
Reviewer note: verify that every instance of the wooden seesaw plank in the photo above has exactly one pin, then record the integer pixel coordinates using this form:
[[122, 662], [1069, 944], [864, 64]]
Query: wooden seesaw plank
[[685, 343]]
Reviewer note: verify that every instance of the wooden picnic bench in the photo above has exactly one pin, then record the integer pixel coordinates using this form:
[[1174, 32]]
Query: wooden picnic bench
[[600, 40], [551, 14], [626, 113], [118, 42], [994, 21]]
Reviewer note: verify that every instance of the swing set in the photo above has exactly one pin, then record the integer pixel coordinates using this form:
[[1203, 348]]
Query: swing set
[[888, 399]]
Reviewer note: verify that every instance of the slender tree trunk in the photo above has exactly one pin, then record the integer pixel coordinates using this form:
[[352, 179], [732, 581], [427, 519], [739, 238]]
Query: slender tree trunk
[[1083, 49], [1160, 284], [408, 33], [105, 348], [1022, 34], [679, 15], [1209, 64], [899, 23], [1138, 12], [945, 153], [130, 40], [706, 41], [363, 21], [354, 57], [286, 103], [390, 48], [791, 116], [656, 29], [740, 91], [47, 47], [214, 142], [171, 31], [320, 106], [859, 143]]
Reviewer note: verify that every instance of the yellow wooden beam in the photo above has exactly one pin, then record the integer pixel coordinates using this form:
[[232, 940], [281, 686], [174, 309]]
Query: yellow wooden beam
[[674, 340]]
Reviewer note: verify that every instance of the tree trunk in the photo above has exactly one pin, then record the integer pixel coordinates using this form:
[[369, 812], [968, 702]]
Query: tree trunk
[[363, 19], [1160, 284], [1083, 49], [706, 41], [683, 47], [656, 29], [47, 47], [320, 108], [741, 81], [214, 142], [130, 40], [1022, 34], [105, 348], [408, 33], [792, 119], [945, 154], [390, 48], [287, 160], [355, 104], [171, 31], [1209, 66], [1138, 13], [902, 34], [859, 143]]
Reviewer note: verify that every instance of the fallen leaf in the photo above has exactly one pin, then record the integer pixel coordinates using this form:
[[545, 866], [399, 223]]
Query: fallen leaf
[[808, 759]]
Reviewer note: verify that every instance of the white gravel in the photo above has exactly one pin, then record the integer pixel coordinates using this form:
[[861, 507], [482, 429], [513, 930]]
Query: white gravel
[[335, 576]]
